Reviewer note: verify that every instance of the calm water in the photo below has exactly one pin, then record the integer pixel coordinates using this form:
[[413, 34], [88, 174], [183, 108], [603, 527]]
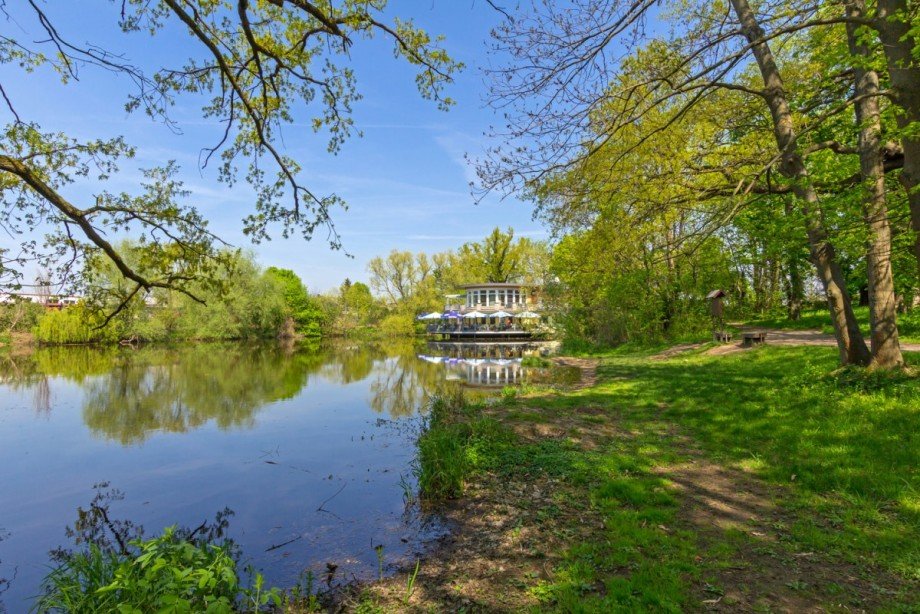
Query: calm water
[[310, 447]]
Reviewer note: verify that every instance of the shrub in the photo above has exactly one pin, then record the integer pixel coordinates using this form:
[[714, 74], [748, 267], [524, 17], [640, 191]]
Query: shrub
[[397, 326], [77, 324], [455, 441], [165, 573]]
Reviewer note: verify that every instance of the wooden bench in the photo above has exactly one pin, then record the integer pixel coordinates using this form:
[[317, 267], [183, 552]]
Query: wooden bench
[[722, 336], [753, 338]]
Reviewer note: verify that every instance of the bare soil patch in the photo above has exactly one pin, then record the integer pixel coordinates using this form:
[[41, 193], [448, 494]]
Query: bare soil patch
[[507, 537], [674, 350], [587, 367]]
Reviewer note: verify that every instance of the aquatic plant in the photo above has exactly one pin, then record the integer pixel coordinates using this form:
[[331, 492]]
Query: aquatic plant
[[165, 573]]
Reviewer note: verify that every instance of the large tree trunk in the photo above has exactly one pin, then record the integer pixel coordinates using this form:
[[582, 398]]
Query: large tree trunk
[[904, 72], [886, 351], [850, 342]]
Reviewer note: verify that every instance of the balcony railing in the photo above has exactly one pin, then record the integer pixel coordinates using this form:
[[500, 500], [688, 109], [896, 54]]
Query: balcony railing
[[511, 307]]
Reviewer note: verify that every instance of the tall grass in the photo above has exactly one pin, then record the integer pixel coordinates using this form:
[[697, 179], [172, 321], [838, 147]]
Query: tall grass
[[450, 445]]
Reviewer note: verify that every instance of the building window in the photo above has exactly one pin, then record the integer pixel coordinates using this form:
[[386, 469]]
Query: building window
[[491, 297]]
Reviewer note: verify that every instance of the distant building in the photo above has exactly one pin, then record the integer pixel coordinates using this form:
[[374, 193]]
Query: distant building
[[51, 301], [488, 311], [491, 297]]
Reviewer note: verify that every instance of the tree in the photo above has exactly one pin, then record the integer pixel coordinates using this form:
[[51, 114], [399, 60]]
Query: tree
[[399, 276], [498, 258], [358, 306], [570, 94], [307, 316], [260, 63], [886, 351], [897, 23]]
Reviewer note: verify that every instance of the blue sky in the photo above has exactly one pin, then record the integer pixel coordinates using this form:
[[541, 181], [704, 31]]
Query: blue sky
[[406, 181]]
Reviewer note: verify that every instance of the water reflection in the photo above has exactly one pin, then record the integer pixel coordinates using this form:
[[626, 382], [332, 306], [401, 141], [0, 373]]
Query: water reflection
[[131, 393], [483, 365], [289, 437]]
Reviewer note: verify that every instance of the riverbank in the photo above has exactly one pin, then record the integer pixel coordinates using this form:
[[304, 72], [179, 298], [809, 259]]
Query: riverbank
[[756, 480]]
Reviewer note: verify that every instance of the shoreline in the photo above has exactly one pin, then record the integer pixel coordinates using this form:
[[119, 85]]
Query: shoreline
[[606, 497]]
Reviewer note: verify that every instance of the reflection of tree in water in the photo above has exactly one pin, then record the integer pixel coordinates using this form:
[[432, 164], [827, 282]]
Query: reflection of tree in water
[[181, 389], [403, 383], [131, 392], [22, 373], [352, 363]]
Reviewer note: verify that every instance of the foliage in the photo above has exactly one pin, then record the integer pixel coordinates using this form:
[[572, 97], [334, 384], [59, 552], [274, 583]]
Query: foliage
[[165, 573], [20, 315], [76, 324], [721, 148], [450, 446], [255, 69], [397, 326], [252, 304], [307, 315]]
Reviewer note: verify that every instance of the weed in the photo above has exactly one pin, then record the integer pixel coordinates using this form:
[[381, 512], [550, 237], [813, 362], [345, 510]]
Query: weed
[[410, 583]]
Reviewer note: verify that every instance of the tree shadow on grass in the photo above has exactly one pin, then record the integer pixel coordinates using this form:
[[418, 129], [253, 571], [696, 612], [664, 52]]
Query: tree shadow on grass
[[845, 444]]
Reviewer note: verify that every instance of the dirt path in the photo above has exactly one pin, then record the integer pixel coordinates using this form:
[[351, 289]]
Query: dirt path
[[586, 366], [791, 338]]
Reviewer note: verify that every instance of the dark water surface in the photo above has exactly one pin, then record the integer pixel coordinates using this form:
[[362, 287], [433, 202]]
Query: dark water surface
[[307, 445]]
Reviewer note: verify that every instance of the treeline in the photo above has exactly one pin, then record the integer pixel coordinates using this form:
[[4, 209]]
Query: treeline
[[761, 149], [404, 284], [238, 299]]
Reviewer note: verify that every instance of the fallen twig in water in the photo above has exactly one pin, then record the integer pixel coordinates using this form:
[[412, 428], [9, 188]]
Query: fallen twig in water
[[283, 544], [320, 508]]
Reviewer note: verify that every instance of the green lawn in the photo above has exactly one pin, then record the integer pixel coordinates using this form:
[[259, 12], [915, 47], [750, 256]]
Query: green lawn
[[839, 450], [819, 319]]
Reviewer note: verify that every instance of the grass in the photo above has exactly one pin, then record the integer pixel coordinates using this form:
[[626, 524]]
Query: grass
[[819, 319], [839, 448]]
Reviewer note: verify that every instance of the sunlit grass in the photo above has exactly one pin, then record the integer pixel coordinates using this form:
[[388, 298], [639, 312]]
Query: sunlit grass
[[842, 447]]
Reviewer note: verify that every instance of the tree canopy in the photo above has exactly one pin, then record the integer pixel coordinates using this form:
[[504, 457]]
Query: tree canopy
[[714, 125], [259, 65]]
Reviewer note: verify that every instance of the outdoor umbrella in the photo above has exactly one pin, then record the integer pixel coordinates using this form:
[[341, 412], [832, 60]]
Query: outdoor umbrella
[[434, 315], [502, 314], [451, 314], [474, 314]]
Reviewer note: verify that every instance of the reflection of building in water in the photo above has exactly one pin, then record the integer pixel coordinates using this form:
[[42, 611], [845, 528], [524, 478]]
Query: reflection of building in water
[[484, 364], [480, 371], [450, 349]]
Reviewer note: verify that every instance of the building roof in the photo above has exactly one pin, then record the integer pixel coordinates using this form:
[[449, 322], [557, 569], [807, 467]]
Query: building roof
[[490, 284]]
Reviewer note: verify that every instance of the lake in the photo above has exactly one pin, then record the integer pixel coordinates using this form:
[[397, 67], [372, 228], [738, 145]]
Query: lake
[[311, 447]]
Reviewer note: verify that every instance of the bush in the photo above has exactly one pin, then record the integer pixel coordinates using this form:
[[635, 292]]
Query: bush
[[76, 324], [453, 444], [20, 315], [397, 326], [165, 573]]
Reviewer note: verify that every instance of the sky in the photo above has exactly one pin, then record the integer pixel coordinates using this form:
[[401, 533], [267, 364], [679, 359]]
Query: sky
[[406, 181]]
